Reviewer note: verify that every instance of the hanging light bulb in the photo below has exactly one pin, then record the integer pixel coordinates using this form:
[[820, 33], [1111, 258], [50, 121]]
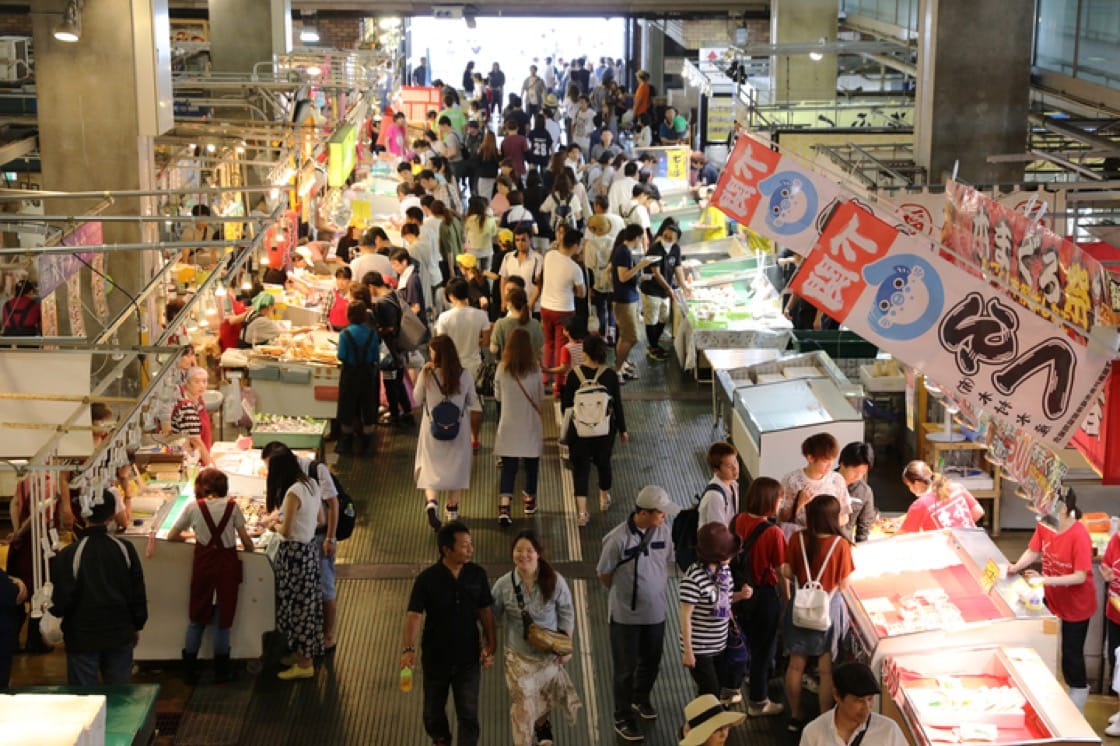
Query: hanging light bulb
[[70, 30], [210, 147], [220, 291]]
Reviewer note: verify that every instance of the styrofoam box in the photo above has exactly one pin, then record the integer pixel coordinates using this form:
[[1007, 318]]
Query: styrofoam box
[[880, 384], [52, 719]]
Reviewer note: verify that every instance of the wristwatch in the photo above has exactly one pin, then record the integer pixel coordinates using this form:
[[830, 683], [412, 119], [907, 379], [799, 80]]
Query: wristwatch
[[408, 649], [330, 540]]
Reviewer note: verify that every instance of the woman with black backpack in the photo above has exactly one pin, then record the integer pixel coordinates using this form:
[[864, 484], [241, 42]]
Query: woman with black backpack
[[359, 384], [445, 394]]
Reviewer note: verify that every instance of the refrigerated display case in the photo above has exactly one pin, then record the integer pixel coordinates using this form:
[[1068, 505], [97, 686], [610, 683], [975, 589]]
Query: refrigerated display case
[[992, 695], [732, 305], [770, 420], [774, 367], [939, 590]]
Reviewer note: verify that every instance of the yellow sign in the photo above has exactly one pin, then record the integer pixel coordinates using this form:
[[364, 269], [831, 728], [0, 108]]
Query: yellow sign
[[342, 155], [677, 167], [359, 212], [989, 576]]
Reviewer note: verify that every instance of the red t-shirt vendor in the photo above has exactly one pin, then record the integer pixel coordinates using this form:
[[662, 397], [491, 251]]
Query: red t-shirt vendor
[[1067, 581]]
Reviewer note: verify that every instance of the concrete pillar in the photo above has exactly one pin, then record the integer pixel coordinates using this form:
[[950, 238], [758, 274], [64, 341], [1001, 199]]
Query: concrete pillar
[[973, 89], [653, 55], [245, 32], [799, 77], [101, 102]]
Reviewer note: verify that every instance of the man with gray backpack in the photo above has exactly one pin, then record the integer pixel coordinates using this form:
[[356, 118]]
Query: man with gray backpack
[[592, 404]]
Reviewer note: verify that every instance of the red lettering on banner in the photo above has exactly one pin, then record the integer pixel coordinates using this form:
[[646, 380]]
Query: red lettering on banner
[[830, 277], [737, 194]]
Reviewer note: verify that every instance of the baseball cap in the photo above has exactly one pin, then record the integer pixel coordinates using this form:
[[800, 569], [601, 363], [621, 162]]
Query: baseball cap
[[505, 236], [305, 253], [856, 679], [652, 497], [466, 261]]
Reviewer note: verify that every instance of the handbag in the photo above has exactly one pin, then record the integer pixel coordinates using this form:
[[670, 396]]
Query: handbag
[[484, 379], [735, 653], [812, 603], [542, 638]]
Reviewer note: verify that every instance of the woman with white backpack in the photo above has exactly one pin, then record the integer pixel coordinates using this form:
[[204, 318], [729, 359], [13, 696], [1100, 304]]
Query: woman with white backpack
[[819, 563], [593, 397]]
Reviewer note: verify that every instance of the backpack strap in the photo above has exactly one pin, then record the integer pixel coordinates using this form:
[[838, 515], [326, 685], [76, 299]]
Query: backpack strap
[[82, 546], [824, 562], [579, 374]]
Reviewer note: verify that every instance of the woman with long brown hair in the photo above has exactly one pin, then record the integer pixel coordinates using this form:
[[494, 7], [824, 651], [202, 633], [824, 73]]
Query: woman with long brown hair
[[536, 678], [517, 385], [517, 317], [445, 394], [822, 552], [486, 162]]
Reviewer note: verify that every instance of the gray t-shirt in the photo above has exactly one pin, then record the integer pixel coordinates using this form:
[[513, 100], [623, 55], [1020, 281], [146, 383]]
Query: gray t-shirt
[[642, 602]]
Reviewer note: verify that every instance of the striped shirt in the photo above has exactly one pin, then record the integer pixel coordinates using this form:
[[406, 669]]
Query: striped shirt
[[698, 588], [185, 419]]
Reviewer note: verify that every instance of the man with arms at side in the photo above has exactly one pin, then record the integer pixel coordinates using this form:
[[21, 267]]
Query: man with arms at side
[[634, 566], [453, 598], [854, 716]]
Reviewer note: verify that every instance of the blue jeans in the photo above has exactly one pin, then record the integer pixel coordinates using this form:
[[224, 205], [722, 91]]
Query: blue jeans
[[196, 630], [509, 475], [115, 666], [463, 681]]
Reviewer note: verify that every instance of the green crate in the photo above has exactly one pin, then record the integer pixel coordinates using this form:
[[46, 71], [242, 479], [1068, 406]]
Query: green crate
[[840, 344]]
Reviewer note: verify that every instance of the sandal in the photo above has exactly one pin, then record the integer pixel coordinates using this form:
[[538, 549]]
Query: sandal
[[529, 502], [504, 517], [582, 519], [431, 509], [604, 501]]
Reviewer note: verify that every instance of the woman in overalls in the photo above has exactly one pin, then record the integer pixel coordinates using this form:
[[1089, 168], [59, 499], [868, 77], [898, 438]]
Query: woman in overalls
[[215, 570]]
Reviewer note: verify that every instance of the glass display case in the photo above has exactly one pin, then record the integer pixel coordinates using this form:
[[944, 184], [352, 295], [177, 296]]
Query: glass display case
[[993, 695], [770, 420], [775, 368], [936, 590], [732, 305]]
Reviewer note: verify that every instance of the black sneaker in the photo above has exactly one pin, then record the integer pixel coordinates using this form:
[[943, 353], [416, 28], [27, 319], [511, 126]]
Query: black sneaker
[[544, 733], [646, 711], [431, 510], [628, 730]]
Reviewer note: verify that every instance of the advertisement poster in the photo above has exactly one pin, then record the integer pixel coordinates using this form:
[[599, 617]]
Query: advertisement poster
[[776, 196], [963, 334], [721, 119], [1034, 265], [56, 269]]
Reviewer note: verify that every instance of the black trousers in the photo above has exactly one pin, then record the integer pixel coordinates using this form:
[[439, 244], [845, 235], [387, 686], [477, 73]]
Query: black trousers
[[1073, 653], [761, 629], [713, 674], [585, 451], [636, 653], [463, 681]]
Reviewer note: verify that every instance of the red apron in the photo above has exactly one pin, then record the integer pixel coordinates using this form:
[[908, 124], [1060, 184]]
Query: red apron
[[204, 423], [215, 569]]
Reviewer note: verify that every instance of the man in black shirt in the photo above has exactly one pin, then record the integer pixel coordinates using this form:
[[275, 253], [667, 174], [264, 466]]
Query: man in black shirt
[[453, 596], [664, 275], [99, 593]]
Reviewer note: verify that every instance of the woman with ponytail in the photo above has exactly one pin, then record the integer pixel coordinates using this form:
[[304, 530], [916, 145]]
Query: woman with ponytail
[[941, 503]]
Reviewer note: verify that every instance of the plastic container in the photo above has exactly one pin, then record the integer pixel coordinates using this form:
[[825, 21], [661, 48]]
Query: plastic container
[[406, 679]]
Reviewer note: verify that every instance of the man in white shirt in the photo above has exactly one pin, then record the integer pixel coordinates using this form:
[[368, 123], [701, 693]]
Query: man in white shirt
[[562, 284], [526, 264], [854, 688], [465, 325], [719, 502], [637, 212], [583, 122], [370, 260], [622, 188]]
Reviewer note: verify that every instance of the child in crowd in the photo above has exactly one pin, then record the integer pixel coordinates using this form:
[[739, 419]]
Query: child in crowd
[[571, 353]]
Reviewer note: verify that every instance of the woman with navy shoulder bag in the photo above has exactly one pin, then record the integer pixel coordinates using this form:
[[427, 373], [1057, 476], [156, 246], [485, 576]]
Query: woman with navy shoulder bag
[[712, 646], [445, 394], [359, 383]]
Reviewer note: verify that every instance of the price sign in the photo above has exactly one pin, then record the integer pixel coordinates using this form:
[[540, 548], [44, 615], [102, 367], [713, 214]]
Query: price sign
[[989, 576]]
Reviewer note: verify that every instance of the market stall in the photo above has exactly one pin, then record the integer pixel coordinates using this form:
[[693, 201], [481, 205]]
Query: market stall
[[733, 369], [995, 695], [939, 590], [731, 304], [295, 376], [770, 420]]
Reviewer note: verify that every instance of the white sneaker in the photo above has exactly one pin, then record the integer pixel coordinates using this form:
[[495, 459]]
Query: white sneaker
[[1113, 717], [1113, 730]]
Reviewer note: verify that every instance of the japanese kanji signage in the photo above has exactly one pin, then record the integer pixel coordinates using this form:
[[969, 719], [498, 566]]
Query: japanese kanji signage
[[774, 195], [899, 294], [1027, 259]]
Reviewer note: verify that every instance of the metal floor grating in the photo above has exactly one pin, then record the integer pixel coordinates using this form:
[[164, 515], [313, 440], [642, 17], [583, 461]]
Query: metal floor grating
[[215, 714], [354, 698]]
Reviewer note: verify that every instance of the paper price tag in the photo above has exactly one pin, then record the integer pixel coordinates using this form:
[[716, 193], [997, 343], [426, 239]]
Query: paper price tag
[[989, 575]]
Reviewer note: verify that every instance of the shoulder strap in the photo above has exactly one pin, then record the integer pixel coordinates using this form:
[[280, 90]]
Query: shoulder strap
[[824, 562], [82, 546], [754, 536], [526, 620], [521, 386], [579, 374], [598, 373]]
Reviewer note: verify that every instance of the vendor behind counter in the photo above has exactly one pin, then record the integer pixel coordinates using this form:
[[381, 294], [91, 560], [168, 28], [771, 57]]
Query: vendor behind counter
[[258, 325]]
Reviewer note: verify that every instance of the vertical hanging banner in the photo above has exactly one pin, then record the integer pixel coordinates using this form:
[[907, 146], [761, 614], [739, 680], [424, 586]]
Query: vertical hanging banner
[[1031, 263], [74, 305], [97, 285], [774, 195], [1003, 360], [56, 269], [50, 316]]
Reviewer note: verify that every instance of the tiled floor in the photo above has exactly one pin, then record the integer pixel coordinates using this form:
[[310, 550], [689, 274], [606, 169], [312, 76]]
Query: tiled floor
[[354, 697]]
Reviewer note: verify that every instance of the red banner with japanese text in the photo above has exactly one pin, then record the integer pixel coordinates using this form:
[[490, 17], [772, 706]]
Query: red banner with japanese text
[[774, 195]]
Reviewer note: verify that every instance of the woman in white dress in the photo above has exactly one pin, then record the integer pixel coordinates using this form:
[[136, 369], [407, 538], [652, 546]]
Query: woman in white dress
[[443, 451], [517, 385]]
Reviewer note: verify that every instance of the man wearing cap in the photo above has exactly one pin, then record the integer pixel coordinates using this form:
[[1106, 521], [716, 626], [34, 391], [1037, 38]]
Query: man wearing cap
[[634, 566], [707, 722], [703, 172], [853, 720], [103, 608]]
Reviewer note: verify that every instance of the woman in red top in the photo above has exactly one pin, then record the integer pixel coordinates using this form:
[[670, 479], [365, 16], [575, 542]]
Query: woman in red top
[[1110, 570], [765, 557], [1067, 581], [641, 95], [821, 535], [940, 504]]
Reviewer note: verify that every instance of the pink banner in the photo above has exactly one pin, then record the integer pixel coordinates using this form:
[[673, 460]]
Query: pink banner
[[56, 269]]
